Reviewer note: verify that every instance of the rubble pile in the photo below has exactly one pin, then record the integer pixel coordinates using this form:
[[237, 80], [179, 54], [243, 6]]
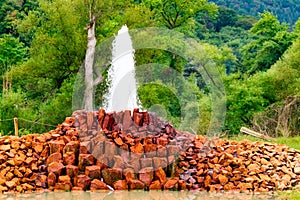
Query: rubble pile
[[128, 151], [219, 164]]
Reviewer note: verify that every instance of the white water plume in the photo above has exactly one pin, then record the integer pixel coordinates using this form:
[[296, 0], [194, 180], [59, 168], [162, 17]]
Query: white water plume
[[122, 93]]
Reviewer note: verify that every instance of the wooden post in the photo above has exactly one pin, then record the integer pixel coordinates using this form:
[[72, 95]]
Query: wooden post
[[16, 126], [255, 134]]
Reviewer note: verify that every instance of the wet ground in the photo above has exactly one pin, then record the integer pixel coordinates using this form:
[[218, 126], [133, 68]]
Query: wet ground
[[135, 195]]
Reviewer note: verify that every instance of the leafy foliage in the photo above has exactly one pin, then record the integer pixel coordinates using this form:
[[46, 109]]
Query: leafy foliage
[[273, 38], [42, 46], [286, 10]]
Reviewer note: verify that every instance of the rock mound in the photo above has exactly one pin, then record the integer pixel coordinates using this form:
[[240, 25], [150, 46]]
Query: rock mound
[[102, 151]]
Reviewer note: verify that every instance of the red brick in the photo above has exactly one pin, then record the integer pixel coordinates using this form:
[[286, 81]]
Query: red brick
[[160, 175], [85, 160], [129, 174], [110, 175], [69, 158], [56, 168], [55, 157], [136, 185], [56, 146], [51, 179], [72, 170], [93, 171], [82, 181], [146, 175], [120, 185], [98, 185]]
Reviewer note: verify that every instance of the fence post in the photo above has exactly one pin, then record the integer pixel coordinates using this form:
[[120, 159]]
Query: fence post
[[16, 126]]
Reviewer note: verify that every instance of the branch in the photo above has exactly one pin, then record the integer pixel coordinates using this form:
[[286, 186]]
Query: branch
[[167, 20], [97, 81]]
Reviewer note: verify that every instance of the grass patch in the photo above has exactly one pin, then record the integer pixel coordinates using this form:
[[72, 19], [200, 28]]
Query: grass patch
[[292, 142], [288, 195]]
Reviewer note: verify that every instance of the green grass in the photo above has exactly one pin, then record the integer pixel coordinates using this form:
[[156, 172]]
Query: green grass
[[292, 142], [288, 195]]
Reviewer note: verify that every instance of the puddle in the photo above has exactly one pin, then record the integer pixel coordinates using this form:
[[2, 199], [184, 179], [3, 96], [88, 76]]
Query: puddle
[[136, 195]]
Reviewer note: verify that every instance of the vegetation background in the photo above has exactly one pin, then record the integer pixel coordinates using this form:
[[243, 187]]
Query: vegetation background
[[255, 45]]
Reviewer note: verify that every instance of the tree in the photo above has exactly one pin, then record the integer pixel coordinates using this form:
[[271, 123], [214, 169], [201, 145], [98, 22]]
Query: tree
[[281, 87], [89, 57], [12, 51], [273, 39], [96, 10], [57, 48], [226, 17], [174, 14], [7, 11]]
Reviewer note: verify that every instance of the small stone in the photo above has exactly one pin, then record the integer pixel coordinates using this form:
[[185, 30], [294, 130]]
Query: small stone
[[136, 185], [4, 147], [38, 147], [129, 174], [11, 162], [159, 162], [51, 179], [207, 181], [56, 146], [72, 170], [137, 148], [15, 145], [155, 185], [27, 186], [253, 167], [160, 175], [118, 162], [77, 188], [55, 157], [98, 185], [182, 185], [171, 184], [72, 146], [85, 160], [3, 188], [82, 181], [223, 179], [62, 186], [41, 181], [56, 168], [10, 184], [64, 183], [120, 185], [19, 160], [29, 160], [69, 158], [146, 175], [93, 171], [146, 162], [297, 170], [18, 173], [118, 141], [111, 175]]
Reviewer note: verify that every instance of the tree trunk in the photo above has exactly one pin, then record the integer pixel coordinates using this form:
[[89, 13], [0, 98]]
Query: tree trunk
[[89, 62]]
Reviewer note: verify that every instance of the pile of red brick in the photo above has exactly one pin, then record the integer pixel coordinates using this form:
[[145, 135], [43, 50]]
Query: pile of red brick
[[102, 151], [94, 151], [218, 164]]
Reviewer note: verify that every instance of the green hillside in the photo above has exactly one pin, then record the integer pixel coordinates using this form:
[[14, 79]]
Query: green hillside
[[286, 10]]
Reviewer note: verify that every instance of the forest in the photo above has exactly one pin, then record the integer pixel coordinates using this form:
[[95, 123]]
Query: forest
[[256, 51], [287, 10]]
